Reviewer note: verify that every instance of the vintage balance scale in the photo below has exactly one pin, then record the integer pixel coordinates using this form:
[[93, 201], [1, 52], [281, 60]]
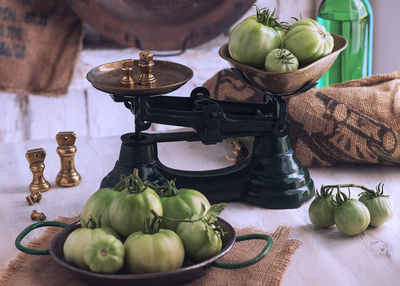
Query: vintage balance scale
[[271, 177]]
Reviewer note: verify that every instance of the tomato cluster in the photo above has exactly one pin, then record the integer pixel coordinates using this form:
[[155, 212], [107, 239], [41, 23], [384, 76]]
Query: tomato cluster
[[144, 228], [262, 41], [351, 216]]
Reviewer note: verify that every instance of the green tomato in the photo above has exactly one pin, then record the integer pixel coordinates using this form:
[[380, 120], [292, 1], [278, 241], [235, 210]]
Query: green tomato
[[280, 60], [130, 208], [378, 204], [77, 241], [381, 210], [201, 241], [281, 32], [98, 205], [105, 254], [181, 204], [321, 212], [158, 252], [308, 41], [351, 217], [250, 41]]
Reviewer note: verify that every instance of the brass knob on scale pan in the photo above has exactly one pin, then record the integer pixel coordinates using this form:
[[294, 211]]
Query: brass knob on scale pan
[[127, 73], [68, 175], [146, 65]]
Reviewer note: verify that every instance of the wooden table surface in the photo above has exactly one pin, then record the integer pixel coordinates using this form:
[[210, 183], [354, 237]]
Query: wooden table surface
[[325, 257]]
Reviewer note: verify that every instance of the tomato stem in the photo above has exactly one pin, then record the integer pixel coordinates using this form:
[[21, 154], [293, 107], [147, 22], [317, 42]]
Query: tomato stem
[[122, 183], [324, 193], [345, 186], [176, 219], [266, 17], [370, 194], [340, 196], [171, 189], [91, 223], [134, 184], [152, 225], [284, 56]]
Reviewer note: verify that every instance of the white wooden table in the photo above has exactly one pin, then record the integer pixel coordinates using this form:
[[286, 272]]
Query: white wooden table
[[325, 257]]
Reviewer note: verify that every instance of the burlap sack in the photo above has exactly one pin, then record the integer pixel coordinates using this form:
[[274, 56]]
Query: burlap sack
[[39, 44], [356, 121]]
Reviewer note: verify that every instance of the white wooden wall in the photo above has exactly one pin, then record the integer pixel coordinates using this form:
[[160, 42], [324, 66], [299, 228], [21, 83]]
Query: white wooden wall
[[89, 112]]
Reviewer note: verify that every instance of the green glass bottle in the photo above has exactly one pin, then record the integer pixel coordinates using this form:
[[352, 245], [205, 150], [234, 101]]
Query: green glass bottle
[[353, 20]]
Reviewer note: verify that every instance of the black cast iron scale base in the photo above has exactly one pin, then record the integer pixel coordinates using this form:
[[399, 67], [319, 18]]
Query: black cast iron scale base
[[271, 177]]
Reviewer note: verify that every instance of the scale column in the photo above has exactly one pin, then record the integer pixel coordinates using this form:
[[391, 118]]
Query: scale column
[[136, 153], [277, 179]]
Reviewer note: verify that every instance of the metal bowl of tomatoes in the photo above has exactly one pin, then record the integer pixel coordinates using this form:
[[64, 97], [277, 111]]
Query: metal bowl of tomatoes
[[188, 272]]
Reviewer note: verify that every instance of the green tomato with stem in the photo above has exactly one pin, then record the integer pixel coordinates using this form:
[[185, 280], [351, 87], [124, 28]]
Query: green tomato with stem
[[181, 204], [133, 205], [379, 205], [308, 40], [105, 254], [98, 205], [201, 242], [281, 32], [351, 216], [280, 60], [321, 208], [200, 236], [153, 249], [77, 240], [253, 38]]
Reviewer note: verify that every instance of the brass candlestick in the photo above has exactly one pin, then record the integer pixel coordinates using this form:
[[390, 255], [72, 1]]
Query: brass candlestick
[[68, 175], [36, 158]]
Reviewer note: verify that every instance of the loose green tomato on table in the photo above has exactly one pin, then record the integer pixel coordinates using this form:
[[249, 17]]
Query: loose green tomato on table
[[321, 209], [351, 216], [379, 205]]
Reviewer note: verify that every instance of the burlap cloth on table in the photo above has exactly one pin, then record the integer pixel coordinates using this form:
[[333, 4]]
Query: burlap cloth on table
[[27, 270], [39, 44], [352, 122]]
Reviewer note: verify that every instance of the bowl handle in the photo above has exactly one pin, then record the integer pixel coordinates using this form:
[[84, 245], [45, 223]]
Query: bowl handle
[[29, 229], [252, 260]]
